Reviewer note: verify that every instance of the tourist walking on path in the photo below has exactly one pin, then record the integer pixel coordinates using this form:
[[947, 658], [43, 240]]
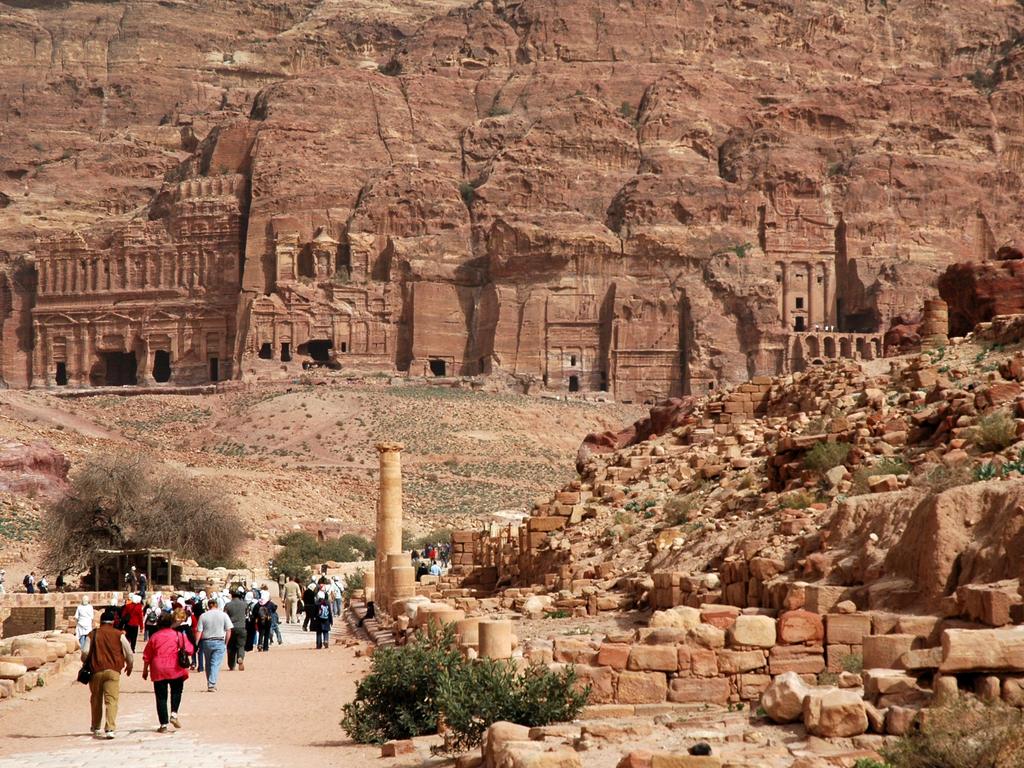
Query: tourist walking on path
[[30, 582], [85, 616], [334, 595], [263, 619], [323, 619], [213, 633], [143, 583], [3, 578], [275, 623], [133, 619], [161, 661], [292, 593], [237, 611], [309, 606], [107, 652]]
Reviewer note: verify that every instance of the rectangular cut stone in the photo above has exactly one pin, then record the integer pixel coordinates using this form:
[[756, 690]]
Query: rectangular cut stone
[[694, 690], [663, 658], [752, 686], [794, 658], [641, 688], [884, 651], [850, 629], [667, 760], [614, 655], [965, 650], [734, 662]]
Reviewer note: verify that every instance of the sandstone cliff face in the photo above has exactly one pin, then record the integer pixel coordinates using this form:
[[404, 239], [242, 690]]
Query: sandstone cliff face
[[655, 199]]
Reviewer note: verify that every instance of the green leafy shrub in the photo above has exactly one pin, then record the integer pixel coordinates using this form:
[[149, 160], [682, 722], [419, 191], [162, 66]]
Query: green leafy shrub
[[299, 550], [410, 687], [356, 580], [994, 431], [824, 455], [398, 699], [467, 192], [487, 691], [964, 735]]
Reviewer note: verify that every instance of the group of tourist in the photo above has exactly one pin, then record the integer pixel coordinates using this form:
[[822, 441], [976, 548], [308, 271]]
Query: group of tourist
[[183, 632], [432, 561]]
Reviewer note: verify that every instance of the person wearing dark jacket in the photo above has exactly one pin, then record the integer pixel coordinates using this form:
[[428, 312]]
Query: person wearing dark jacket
[[323, 618], [107, 652], [309, 607]]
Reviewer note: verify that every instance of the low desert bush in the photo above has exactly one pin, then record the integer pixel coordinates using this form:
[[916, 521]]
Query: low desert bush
[[994, 431], [941, 478], [965, 735], [410, 687], [680, 509], [797, 500], [887, 466], [488, 691], [824, 456], [398, 699]]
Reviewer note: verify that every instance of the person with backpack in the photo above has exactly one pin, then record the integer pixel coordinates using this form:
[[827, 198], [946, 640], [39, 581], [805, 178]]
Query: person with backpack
[[43, 586], [29, 582], [323, 618], [262, 614], [167, 657], [152, 615], [132, 619]]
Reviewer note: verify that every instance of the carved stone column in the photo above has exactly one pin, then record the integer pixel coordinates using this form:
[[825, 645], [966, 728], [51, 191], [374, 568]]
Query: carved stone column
[[389, 518]]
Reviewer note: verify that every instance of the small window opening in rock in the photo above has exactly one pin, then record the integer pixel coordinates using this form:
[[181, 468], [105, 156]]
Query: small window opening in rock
[[286, 352], [438, 367], [574, 383], [820, 279], [214, 369], [344, 346], [266, 351], [62, 374], [119, 369], [778, 278], [711, 385], [161, 366], [572, 360], [318, 349], [799, 324], [799, 302]]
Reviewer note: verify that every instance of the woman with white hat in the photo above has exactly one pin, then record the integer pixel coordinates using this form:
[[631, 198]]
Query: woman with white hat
[[85, 615]]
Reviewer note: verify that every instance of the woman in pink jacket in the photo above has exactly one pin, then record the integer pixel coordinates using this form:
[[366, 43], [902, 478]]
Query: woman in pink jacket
[[160, 659]]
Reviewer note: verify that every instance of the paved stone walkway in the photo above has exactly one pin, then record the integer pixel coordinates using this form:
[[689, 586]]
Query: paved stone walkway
[[283, 711]]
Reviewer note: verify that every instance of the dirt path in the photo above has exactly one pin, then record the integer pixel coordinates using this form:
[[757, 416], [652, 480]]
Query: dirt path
[[282, 711]]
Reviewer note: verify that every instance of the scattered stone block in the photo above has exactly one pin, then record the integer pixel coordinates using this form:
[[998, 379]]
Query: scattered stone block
[[801, 626], [396, 748], [884, 651], [752, 631], [982, 650], [641, 687], [783, 700], [712, 690], [834, 713]]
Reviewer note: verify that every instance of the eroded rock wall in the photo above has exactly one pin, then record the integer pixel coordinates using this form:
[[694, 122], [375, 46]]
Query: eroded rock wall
[[655, 200]]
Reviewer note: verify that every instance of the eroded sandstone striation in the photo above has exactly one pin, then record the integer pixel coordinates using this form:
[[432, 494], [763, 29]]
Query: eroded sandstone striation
[[657, 199]]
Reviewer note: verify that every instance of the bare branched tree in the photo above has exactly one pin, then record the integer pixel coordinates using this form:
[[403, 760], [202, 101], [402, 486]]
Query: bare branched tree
[[126, 501]]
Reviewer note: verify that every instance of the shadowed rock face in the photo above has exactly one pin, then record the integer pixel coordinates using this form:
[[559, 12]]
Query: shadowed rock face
[[653, 200]]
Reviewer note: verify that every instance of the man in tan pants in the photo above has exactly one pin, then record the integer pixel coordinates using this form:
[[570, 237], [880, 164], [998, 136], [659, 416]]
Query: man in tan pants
[[108, 652], [292, 593]]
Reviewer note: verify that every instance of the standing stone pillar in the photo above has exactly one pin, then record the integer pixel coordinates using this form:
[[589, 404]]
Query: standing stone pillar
[[935, 324], [495, 639], [389, 518]]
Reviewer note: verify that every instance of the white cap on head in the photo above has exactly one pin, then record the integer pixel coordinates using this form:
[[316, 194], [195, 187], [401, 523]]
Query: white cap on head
[[320, 595], [202, 594], [136, 599], [85, 598]]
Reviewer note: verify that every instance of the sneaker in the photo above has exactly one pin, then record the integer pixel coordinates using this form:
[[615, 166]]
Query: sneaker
[[97, 734], [162, 729], [108, 734], [211, 689], [174, 720]]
